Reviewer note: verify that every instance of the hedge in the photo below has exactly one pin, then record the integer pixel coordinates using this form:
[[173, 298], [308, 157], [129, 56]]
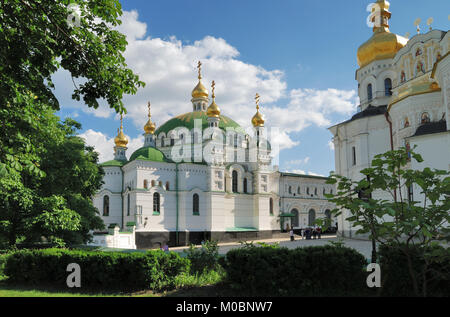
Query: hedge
[[99, 270], [308, 271], [396, 279]]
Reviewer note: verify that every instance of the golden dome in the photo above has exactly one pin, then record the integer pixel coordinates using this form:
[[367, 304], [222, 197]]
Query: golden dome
[[383, 44], [120, 140], [258, 119], [213, 110], [199, 90], [149, 127]]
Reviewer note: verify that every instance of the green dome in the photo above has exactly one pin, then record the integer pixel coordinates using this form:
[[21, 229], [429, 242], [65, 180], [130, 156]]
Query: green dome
[[149, 154], [187, 120]]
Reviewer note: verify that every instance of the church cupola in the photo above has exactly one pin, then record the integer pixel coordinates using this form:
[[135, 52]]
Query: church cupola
[[149, 129], [213, 111], [383, 44], [200, 93], [121, 142], [258, 119]]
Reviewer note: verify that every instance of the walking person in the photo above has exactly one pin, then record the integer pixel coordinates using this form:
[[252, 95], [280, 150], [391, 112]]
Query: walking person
[[319, 232], [291, 233], [314, 233]]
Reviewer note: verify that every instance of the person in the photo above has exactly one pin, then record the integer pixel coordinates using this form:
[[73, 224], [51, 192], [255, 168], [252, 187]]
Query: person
[[314, 233], [291, 233], [319, 232]]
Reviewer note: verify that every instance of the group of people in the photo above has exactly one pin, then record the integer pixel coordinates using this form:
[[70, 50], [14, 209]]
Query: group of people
[[306, 233]]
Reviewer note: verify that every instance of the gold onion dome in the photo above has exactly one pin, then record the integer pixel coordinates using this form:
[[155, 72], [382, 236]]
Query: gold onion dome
[[199, 91], [213, 109], [383, 44], [120, 140], [149, 127], [258, 119]]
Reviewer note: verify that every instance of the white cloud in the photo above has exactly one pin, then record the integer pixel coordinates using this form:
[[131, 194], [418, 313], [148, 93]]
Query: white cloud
[[168, 67], [331, 145], [104, 145], [299, 161]]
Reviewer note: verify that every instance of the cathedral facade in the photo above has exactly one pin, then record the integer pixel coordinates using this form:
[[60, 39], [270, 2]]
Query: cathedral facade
[[200, 176], [404, 89]]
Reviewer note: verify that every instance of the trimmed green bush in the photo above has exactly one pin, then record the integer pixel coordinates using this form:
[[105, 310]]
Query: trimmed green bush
[[204, 258], [309, 271], [396, 278], [99, 270]]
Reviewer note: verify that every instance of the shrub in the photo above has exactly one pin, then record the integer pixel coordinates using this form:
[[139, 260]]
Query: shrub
[[204, 258], [396, 278], [309, 271], [99, 270]]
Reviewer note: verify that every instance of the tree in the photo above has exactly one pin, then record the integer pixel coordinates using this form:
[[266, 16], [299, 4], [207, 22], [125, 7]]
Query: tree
[[38, 39], [395, 219]]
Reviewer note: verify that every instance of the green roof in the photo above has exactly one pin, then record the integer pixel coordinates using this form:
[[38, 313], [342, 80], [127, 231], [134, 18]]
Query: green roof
[[113, 163], [303, 175], [149, 153], [187, 120]]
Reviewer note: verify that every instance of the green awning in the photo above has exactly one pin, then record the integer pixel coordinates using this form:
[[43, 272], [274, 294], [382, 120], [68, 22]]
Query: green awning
[[240, 229], [287, 215]]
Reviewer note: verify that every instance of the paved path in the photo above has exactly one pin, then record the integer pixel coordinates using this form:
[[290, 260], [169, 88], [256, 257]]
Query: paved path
[[364, 247]]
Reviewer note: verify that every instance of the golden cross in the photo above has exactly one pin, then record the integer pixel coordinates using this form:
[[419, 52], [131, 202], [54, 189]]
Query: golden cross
[[148, 105], [199, 66], [257, 101], [213, 85], [121, 122]]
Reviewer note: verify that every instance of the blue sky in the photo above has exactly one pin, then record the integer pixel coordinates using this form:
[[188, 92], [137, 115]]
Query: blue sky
[[301, 56]]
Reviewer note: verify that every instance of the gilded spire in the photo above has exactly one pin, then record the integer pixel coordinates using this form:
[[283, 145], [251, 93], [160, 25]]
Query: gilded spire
[[121, 140], [380, 16], [258, 119], [213, 110], [199, 90], [149, 127]]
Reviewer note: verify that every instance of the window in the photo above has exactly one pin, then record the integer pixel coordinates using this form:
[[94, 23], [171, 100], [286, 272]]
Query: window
[[153, 183], [388, 87], [410, 193], [235, 182], [295, 222], [271, 206], [128, 204], [167, 186], [425, 118], [106, 206], [311, 217], [196, 205], [172, 141], [156, 203], [315, 191], [328, 216], [245, 185], [290, 189], [369, 92], [307, 191], [146, 184], [353, 156], [298, 190]]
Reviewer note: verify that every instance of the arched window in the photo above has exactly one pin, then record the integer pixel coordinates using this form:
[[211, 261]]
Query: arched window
[[156, 203], [271, 206], [245, 185], [369, 92], [145, 184], [311, 217], [388, 87], [167, 186], [295, 222], [153, 183], [328, 215], [315, 191], [235, 182], [290, 189], [298, 190], [106, 206], [128, 204], [307, 191], [172, 141], [196, 205]]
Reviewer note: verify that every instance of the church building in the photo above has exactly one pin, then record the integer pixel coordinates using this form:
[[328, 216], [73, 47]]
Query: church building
[[200, 176], [404, 91]]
